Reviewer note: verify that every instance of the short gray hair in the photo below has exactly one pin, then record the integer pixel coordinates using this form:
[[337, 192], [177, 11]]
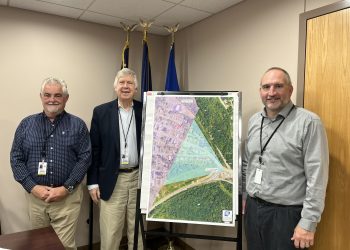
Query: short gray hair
[[125, 72], [286, 75], [53, 80]]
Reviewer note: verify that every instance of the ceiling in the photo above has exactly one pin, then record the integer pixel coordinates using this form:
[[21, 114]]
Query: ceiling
[[112, 12]]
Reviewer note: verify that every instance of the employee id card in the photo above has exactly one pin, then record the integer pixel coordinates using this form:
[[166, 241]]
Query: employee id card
[[258, 176], [125, 157], [42, 168]]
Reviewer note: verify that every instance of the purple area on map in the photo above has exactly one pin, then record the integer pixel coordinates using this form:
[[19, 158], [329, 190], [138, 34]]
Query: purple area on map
[[173, 119]]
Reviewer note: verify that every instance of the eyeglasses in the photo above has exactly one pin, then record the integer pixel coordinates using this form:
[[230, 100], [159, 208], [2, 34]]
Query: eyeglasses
[[276, 86], [55, 96]]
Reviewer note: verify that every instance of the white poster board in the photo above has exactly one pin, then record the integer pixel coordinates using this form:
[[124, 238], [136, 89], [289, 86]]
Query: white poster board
[[190, 157]]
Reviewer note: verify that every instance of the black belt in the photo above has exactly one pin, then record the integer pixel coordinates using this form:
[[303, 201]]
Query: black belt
[[266, 203], [128, 170]]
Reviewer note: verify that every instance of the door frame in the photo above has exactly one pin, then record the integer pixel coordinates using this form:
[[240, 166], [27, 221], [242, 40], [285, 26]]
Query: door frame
[[303, 18]]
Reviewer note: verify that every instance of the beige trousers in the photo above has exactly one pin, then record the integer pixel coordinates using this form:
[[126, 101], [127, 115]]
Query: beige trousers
[[62, 215], [120, 207]]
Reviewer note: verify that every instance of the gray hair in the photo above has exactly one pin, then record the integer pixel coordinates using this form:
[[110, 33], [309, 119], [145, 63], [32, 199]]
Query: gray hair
[[53, 80], [286, 75], [125, 72]]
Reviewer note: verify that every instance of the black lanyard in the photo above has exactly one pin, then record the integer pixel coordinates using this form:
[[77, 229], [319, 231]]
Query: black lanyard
[[127, 132], [43, 150], [262, 149]]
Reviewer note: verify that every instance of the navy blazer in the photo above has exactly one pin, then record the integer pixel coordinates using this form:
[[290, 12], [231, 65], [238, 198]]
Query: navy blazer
[[105, 143]]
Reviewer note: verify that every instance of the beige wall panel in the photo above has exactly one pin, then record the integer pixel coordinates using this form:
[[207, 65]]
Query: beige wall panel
[[327, 93]]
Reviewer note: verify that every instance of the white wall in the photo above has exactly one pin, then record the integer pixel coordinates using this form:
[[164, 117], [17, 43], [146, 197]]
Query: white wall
[[87, 56]]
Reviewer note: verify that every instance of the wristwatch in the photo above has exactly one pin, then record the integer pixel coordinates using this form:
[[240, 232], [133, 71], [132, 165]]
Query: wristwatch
[[69, 188]]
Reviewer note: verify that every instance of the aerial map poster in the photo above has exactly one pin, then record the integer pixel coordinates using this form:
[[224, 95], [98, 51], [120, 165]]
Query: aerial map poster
[[190, 158]]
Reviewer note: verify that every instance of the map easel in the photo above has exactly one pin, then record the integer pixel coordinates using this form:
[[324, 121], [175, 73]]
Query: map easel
[[189, 164], [139, 222]]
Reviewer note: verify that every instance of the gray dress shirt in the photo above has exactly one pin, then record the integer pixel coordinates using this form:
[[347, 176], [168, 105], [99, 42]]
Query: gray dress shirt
[[294, 163]]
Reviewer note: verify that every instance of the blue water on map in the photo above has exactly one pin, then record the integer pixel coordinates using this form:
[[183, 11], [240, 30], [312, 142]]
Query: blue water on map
[[195, 158]]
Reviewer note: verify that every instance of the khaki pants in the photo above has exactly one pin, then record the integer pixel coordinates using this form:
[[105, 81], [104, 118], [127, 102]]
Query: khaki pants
[[113, 212], [62, 215]]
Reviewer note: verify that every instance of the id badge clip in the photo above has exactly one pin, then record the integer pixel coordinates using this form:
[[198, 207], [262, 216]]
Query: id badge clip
[[42, 168], [125, 158]]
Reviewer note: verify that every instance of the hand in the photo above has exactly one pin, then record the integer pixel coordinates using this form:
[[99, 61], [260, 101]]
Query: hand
[[95, 195], [57, 194], [41, 192], [303, 238]]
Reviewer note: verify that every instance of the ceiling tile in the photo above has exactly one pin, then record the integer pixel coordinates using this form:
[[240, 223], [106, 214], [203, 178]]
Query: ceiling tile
[[115, 21], [103, 19], [112, 12], [180, 14], [46, 8], [79, 4], [211, 6], [131, 9]]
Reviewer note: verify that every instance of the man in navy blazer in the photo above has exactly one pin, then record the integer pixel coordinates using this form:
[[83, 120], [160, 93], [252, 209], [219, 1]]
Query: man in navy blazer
[[113, 176]]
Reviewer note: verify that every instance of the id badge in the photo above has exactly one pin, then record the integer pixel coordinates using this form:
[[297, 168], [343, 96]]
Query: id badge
[[258, 176], [42, 168], [125, 158]]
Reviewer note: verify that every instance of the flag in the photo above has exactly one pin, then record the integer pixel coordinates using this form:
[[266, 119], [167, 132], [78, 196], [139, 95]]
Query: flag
[[171, 83], [146, 77], [125, 56]]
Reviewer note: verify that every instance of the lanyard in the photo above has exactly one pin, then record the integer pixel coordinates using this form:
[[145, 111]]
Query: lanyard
[[262, 148], [127, 132], [43, 149]]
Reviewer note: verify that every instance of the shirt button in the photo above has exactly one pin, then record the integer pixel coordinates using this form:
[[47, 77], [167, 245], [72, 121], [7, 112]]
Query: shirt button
[[51, 135], [50, 172], [51, 148], [51, 161]]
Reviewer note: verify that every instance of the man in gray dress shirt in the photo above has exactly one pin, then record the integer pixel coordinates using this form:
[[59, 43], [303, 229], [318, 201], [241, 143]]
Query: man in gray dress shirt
[[285, 168]]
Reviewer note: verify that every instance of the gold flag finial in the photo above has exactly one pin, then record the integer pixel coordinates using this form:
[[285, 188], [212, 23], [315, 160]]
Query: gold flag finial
[[128, 29], [146, 25], [172, 30]]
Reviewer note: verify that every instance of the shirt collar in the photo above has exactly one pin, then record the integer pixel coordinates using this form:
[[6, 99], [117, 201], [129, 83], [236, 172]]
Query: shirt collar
[[58, 117], [284, 112], [120, 106]]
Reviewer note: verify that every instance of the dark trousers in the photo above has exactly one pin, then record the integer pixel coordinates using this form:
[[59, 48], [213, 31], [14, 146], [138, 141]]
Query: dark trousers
[[270, 226]]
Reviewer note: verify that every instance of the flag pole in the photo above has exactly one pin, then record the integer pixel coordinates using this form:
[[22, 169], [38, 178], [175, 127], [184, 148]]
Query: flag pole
[[171, 81], [146, 24], [146, 75], [125, 54], [172, 30]]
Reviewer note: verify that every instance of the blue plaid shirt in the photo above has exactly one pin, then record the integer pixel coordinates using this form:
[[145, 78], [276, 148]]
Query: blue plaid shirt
[[64, 144]]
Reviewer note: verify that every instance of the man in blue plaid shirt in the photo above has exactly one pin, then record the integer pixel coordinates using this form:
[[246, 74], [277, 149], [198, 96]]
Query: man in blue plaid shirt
[[50, 155]]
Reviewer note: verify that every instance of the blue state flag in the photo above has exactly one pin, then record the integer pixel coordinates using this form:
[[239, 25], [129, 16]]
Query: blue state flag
[[146, 76], [171, 83]]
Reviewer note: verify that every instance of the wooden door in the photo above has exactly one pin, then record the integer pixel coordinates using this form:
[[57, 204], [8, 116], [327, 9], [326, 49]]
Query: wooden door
[[326, 91]]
